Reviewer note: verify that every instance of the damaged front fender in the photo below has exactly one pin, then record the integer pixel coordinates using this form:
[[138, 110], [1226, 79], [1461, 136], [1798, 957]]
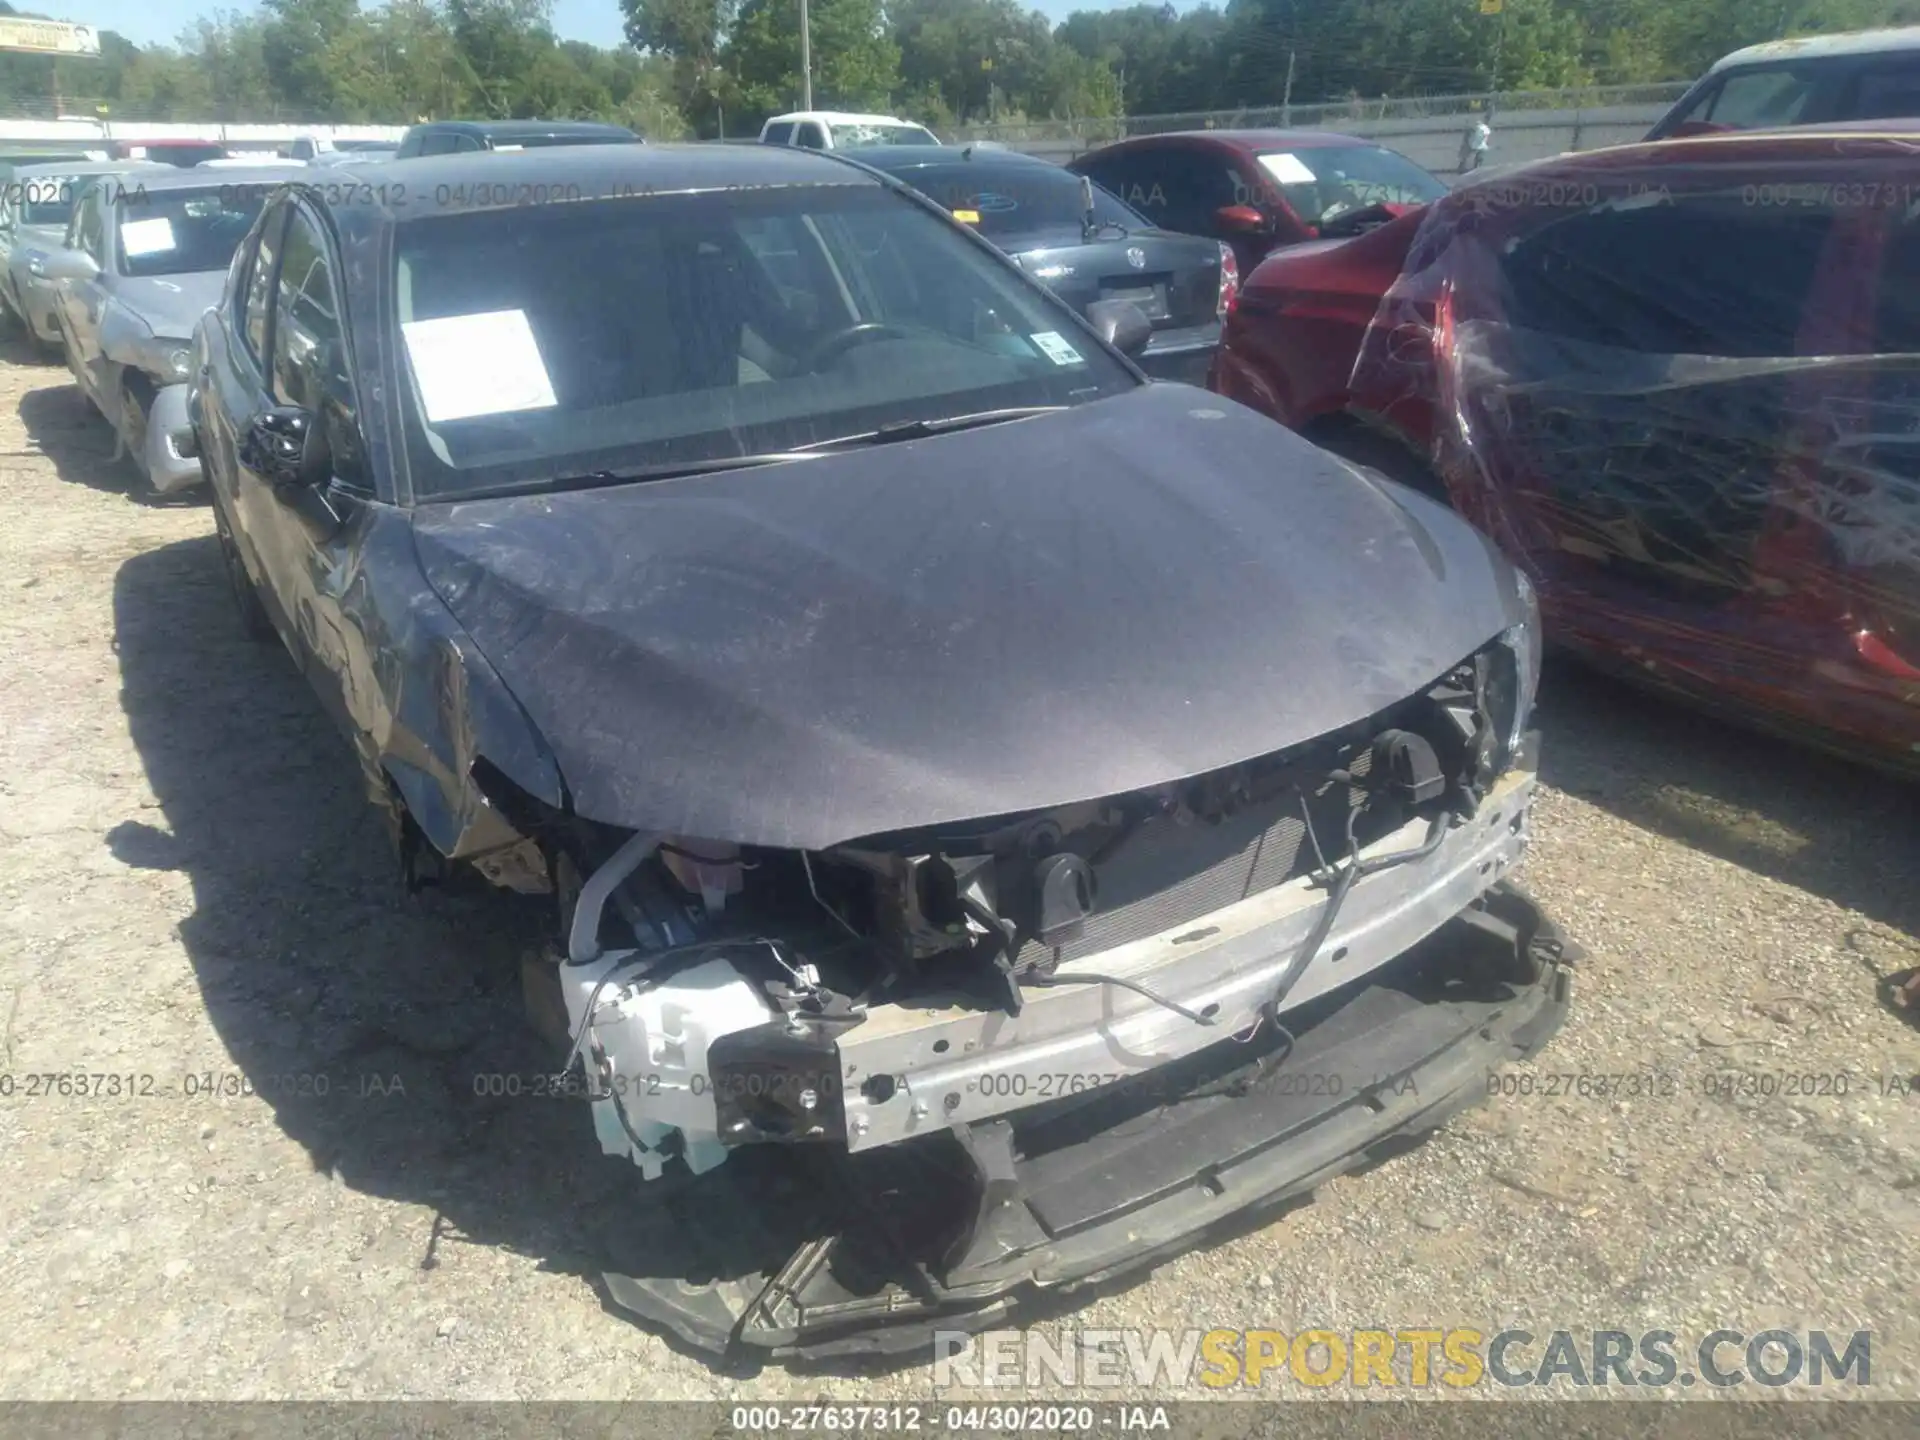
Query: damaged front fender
[[447, 750]]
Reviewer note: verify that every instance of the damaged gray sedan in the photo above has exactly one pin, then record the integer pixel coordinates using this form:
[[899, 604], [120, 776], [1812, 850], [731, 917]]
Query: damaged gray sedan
[[146, 254], [1005, 818]]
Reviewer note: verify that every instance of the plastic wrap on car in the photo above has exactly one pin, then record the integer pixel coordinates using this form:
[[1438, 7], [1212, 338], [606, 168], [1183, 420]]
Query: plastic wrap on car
[[1680, 385]]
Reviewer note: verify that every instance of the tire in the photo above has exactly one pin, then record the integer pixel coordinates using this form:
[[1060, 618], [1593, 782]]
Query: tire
[[254, 623]]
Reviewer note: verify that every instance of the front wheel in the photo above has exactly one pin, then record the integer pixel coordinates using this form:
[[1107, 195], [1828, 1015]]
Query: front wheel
[[254, 623]]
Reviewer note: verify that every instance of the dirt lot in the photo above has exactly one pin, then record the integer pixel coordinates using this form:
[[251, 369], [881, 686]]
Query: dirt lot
[[192, 890]]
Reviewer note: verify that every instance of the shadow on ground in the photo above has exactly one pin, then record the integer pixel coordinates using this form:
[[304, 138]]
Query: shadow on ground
[[62, 424], [380, 1027], [1832, 828], [320, 974]]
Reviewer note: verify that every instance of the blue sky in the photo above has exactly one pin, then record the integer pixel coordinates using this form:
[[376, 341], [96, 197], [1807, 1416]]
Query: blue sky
[[149, 22]]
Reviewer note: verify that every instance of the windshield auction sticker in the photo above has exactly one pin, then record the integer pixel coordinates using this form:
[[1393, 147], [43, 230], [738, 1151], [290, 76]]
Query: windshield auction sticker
[[1056, 349], [146, 237], [468, 365], [1287, 168]]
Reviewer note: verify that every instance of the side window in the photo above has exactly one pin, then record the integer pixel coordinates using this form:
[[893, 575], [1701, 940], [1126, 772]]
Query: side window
[[779, 134], [1137, 181], [1198, 188], [309, 342], [1696, 110], [439, 142], [259, 303], [1887, 90], [306, 332], [812, 136], [90, 227], [1756, 99]]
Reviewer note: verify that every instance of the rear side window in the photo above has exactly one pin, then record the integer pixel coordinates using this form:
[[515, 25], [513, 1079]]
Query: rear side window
[[1886, 91], [259, 304], [779, 133], [1762, 99], [812, 136], [1132, 178], [439, 142], [1705, 275], [1016, 201]]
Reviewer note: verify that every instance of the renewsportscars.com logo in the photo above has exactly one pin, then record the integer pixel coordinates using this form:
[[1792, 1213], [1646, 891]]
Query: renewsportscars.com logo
[[1413, 1357]]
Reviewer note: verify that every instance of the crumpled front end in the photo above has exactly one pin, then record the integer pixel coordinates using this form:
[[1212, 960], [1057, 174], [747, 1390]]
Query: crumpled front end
[[1678, 385], [168, 453], [913, 1078]]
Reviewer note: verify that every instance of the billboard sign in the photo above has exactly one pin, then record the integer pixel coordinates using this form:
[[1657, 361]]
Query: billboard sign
[[47, 37]]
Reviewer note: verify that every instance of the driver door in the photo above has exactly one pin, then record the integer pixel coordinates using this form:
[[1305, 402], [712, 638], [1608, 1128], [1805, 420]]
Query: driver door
[[305, 536]]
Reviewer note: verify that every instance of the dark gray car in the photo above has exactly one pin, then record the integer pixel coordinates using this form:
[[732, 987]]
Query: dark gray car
[[1082, 243], [145, 255], [457, 137], [978, 789]]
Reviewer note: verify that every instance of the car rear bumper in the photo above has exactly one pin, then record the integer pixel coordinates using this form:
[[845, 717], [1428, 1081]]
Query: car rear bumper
[[1184, 355], [1096, 1188]]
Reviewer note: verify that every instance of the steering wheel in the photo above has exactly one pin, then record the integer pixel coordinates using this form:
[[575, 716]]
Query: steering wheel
[[831, 347]]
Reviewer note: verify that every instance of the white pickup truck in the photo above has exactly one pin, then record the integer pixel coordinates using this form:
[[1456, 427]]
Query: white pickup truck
[[836, 130]]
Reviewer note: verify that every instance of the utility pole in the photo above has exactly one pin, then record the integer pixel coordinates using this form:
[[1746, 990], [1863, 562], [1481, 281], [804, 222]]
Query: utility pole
[[1497, 9], [806, 60], [1293, 43]]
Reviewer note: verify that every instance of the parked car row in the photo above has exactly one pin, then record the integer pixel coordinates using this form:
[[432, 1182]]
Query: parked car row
[[902, 700]]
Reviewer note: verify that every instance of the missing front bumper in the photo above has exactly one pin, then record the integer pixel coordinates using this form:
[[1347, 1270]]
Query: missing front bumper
[[815, 1253]]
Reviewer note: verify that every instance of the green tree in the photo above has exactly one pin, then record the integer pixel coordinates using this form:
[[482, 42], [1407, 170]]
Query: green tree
[[856, 64]]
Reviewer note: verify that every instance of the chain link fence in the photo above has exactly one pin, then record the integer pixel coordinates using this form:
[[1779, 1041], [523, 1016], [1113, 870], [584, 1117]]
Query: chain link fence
[[1527, 124], [1430, 129]]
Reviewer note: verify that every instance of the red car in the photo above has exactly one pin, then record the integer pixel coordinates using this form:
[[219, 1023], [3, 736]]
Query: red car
[[1258, 190], [1676, 382]]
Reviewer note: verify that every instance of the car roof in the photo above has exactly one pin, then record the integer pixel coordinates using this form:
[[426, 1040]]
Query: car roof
[[1823, 47], [895, 158], [173, 177], [508, 129], [1252, 142], [843, 117], [90, 167], [1787, 143], [428, 185]]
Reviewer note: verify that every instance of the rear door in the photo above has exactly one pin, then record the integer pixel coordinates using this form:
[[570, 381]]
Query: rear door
[[82, 302]]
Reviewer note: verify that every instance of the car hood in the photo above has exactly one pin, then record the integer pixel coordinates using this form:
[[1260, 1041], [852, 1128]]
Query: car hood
[[171, 305], [1078, 605]]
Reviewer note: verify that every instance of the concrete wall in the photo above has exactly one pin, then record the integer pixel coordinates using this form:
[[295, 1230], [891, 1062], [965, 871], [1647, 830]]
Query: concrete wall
[[1434, 140], [1431, 140], [81, 134]]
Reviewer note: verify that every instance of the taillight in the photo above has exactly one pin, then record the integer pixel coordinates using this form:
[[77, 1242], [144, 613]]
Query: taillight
[[1229, 282]]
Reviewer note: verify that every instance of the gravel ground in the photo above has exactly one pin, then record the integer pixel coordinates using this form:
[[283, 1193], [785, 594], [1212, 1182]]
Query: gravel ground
[[190, 886]]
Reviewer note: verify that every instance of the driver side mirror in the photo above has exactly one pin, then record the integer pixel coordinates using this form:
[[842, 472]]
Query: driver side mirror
[[1122, 324], [66, 265], [284, 447], [1240, 220]]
